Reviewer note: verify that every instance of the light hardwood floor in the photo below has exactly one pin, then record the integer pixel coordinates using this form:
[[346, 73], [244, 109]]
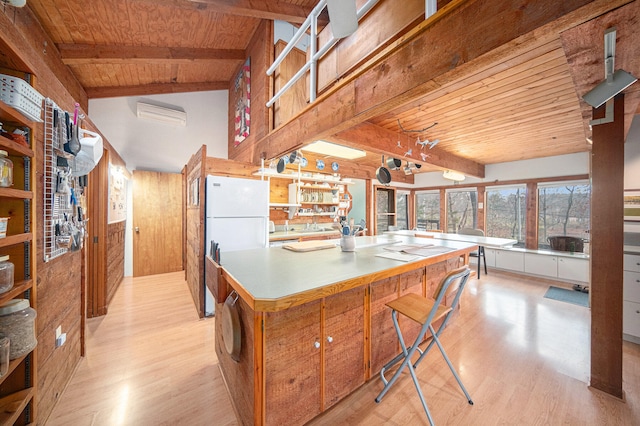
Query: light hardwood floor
[[523, 358]]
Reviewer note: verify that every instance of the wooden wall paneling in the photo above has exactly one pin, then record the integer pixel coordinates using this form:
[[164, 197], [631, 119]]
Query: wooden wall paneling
[[115, 258], [260, 50], [376, 30], [607, 186], [294, 99], [222, 167], [59, 293], [531, 225], [195, 230], [293, 366]]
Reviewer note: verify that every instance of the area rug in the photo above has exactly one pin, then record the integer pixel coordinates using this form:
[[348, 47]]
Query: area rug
[[569, 296]]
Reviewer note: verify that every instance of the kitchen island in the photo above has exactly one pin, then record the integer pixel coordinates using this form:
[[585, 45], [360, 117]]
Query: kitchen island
[[313, 326]]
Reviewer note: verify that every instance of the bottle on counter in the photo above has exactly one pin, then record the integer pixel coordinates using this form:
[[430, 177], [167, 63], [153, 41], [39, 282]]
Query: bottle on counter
[[6, 170]]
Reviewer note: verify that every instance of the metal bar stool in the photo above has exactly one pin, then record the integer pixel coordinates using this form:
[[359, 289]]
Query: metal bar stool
[[480, 253], [426, 312]]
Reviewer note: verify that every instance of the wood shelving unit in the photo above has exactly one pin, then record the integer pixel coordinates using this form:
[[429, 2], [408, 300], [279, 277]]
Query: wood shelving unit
[[17, 387]]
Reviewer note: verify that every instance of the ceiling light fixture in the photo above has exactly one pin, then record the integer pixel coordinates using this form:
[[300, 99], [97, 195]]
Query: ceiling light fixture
[[614, 82], [334, 150], [452, 175], [160, 114]]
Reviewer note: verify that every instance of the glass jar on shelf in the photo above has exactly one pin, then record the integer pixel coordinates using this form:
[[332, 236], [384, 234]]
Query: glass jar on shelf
[[6, 170]]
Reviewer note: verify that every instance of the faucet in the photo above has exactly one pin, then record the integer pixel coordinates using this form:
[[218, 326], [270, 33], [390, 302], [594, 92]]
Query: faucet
[[286, 226], [315, 222]]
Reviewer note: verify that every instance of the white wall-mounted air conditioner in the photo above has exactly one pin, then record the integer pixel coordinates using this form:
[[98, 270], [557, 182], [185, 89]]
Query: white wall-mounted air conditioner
[[161, 114]]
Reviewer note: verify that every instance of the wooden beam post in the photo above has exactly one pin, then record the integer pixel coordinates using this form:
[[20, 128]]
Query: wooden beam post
[[531, 239], [607, 175]]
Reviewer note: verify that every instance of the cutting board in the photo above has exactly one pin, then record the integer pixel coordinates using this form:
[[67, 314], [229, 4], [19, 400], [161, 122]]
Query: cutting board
[[309, 246]]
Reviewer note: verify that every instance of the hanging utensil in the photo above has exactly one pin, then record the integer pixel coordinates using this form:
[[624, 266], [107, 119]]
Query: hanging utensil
[[382, 174]]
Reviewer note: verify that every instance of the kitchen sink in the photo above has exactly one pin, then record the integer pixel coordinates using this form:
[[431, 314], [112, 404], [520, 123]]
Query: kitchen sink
[[310, 230]]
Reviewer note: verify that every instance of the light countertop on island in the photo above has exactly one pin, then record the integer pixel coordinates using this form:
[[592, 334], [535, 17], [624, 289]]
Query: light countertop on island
[[276, 278]]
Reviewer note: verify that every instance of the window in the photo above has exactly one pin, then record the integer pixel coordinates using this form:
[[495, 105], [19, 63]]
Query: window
[[428, 210], [385, 209], [563, 209], [402, 209], [462, 209], [506, 213]]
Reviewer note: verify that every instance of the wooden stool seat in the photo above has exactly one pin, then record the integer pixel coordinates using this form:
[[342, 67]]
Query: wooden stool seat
[[418, 308]]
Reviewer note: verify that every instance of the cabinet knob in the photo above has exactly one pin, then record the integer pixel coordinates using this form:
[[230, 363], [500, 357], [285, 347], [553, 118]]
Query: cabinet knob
[[329, 339], [637, 312], [317, 345]]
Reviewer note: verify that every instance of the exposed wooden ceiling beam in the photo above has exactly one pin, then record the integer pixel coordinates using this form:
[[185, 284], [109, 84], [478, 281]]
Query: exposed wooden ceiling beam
[[370, 137], [262, 9], [154, 89], [79, 54]]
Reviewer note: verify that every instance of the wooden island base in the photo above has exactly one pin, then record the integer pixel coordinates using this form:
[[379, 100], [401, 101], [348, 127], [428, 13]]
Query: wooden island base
[[297, 362]]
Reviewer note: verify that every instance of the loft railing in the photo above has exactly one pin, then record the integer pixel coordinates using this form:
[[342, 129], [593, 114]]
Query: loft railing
[[311, 23]]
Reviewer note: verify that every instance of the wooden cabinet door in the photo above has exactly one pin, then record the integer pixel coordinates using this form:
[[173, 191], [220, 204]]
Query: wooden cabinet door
[[292, 366], [344, 357], [384, 342]]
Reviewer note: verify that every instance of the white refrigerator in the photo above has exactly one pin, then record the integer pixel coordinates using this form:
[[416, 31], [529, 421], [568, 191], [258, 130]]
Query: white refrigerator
[[237, 218]]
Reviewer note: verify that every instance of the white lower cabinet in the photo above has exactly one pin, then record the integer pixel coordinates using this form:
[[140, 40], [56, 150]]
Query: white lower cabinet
[[510, 260], [540, 264], [490, 256], [631, 318], [631, 296], [573, 269]]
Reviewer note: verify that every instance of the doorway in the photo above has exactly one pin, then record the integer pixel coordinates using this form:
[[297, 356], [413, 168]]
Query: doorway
[[157, 223]]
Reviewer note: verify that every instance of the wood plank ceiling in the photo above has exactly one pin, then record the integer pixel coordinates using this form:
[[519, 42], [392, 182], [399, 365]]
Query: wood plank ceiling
[[512, 111]]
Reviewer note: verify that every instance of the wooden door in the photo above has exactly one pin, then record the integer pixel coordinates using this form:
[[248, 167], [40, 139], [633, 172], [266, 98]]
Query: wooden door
[[157, 223], [344, 354]]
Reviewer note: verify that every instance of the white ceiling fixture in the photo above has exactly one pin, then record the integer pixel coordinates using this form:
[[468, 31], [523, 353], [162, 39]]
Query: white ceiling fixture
[[453, 175], [614, 82], [334, 150], [343, 17], [173, 116]]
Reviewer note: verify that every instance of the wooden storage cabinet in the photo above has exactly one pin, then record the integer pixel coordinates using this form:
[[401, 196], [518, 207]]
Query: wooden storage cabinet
[[631, 298], [17, 387], [292, 369]]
